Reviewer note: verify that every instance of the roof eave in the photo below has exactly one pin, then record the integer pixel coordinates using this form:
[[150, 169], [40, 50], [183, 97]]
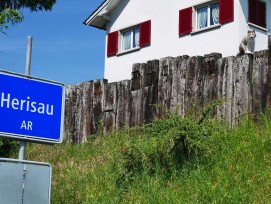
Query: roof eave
[[100, 17]]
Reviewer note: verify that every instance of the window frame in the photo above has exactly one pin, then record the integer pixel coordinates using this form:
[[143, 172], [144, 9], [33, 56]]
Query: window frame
[[121, 37], [195, 16], [256, 22]]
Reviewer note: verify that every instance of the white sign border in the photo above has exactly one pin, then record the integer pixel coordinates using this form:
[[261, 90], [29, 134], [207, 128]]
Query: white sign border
[[36, 138]]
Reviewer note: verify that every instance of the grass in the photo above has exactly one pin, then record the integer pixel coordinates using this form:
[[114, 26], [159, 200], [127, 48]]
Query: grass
[[171, 160]]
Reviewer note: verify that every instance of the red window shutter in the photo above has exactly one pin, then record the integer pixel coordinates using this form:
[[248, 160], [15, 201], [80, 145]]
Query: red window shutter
[[145, 33], [185, 21], [226, 11], [261, 8], [112, 43]]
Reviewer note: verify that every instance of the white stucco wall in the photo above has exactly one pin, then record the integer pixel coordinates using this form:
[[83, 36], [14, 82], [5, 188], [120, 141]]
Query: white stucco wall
[[165, 40]]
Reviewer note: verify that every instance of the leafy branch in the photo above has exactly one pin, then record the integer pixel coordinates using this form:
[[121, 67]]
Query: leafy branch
[[9, 16]]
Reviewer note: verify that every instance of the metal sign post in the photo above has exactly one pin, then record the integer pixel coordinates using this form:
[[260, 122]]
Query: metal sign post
[[27, 72]]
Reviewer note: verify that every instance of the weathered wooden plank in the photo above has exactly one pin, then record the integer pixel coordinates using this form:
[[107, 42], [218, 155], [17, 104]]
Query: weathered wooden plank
[[241, 101], [179, 71], [77, 112], [86, 111], [97, 117], [268, 84], [110, 106], [194, 82], [210, 77], [136, 101], [136, 81], [259, 81], [225, 88], [164, 85], [123, 103], [150, 90], [68, 115]]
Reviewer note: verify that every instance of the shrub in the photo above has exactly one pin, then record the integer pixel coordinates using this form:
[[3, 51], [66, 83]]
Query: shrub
[[8, 148]]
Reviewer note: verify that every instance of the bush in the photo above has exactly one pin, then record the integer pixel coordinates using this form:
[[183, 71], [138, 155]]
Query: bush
[[8, 148], [165, 146]]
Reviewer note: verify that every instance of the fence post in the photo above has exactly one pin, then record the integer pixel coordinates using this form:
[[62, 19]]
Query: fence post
[[268, 85]]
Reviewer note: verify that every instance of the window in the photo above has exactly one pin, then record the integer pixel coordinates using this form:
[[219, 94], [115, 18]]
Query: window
[[130, 39], [207, 15], [211, 13], [257, 13]]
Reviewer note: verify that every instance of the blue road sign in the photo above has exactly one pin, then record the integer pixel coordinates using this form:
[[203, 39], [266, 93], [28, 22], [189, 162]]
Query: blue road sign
[[31, 108]]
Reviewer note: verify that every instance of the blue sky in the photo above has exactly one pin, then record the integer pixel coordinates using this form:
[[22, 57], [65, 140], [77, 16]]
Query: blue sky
[[63, 50]]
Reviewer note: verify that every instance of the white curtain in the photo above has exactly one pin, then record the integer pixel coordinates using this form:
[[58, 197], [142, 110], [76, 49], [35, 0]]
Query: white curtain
[[202, 17], [214, 14], [126, 42], [136, 37]]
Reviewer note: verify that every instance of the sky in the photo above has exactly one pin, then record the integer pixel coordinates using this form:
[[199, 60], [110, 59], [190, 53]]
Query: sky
[[63, 48]]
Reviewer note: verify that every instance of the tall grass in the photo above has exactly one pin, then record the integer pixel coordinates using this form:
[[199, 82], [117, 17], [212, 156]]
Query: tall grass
[[193, 159]]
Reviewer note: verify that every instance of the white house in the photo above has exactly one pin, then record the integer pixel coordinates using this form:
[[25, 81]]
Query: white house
[[142, 30]]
